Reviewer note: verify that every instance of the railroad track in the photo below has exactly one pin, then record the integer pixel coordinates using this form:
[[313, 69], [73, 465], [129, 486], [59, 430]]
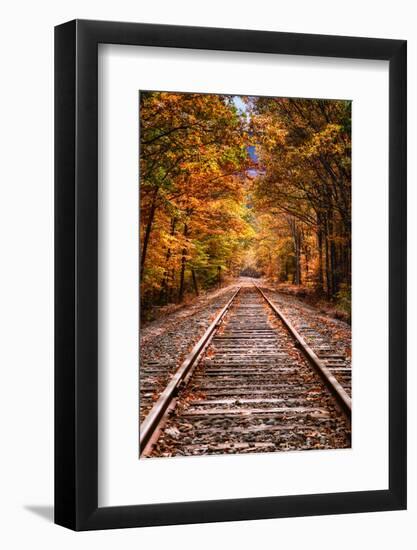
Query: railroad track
[[251, 384], [316, 334], [162, 354]]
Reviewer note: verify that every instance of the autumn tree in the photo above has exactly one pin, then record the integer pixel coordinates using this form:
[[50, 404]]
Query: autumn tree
[[304, 149], [193, 156], [263, 190]]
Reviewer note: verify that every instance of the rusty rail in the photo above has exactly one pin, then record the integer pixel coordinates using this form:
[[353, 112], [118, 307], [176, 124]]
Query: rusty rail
[[331, 382], [151, 423]]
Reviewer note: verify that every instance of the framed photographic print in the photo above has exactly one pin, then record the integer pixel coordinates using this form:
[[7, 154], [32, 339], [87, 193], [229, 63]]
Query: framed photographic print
[[230, 275]]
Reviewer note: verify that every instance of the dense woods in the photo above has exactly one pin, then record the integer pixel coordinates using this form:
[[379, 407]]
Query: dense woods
[[253, 186], [303, 194]]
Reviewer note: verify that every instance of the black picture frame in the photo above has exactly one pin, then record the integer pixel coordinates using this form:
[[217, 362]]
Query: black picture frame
[[76, 272]]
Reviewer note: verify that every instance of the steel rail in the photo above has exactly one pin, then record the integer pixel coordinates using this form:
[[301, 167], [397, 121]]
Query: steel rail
[[158, 411], [331, 382]]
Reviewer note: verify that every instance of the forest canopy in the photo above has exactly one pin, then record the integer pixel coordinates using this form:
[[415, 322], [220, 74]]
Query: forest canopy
[[251, 186]]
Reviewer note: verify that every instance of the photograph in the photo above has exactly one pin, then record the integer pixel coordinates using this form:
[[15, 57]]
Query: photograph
[[208, 335], [244, 275]]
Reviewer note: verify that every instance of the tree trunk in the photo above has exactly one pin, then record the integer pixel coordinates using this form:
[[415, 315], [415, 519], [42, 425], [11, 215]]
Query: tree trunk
[[171, 286], [296, 233], [327, 262], [194, 281], [183, 264], [164, 285], [333, 260], [298, 257], [307, 260], [320, 251], [296, 238], [148, 231]]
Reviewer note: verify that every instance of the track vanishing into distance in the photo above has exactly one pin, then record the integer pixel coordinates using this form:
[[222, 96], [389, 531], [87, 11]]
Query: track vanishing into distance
[[251, 384]]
